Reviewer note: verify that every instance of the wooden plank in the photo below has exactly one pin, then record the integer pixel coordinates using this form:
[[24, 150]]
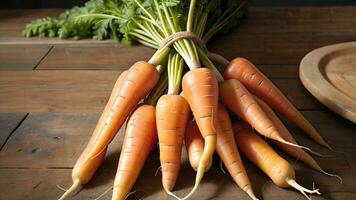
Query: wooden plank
[[275, 19], [100, 56], [55, 91], [56, 141], [8, 122], [274, 48], [21, 57]]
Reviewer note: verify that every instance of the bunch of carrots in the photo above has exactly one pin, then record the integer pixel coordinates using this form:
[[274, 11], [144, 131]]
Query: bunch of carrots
[[180, 96]]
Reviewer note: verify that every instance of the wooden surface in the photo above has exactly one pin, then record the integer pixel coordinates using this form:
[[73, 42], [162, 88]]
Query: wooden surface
[[52, 92], [329, 73]]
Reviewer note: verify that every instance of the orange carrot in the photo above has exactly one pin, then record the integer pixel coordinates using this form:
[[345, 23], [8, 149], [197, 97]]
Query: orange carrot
[[172, 112], [194, 143], [140, 138], [200, 88], [238, 99], [261, 154], [229, 154], [258, 84], [295, 152], [135, 85]]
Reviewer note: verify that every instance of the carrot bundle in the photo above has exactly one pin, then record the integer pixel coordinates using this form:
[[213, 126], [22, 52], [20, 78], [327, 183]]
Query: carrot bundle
[[165, 112]]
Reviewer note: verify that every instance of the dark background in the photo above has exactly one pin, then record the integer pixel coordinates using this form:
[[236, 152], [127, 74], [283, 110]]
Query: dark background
[[20, 4]]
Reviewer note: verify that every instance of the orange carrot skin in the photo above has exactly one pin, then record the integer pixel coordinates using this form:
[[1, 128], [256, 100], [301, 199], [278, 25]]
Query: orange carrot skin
[[258, 84], [261, 154], [194, 143], [140, 138], [238, 99], [200, 88], [295, 152], [172, 113], [135, 85], [228, 152]]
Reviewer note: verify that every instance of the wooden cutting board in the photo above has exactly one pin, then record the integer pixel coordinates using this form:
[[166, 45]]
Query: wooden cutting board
[[329, 73]]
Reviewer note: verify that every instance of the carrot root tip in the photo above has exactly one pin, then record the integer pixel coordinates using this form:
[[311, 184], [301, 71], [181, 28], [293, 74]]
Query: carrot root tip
[[61, 188], [105, 192], [332, 175], [302, 189], [314, 153], [252, 195], [158, 169], [222, 167], [294, 145], [72, 190], [198, 178], [172, 194]]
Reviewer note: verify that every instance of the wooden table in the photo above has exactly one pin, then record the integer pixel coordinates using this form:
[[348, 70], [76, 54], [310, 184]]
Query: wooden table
[[52, 92]]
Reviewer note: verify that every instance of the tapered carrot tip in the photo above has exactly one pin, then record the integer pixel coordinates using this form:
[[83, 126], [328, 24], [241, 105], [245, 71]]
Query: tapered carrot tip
[[119, 193], [168, 185], [251, 194], [72, 190]]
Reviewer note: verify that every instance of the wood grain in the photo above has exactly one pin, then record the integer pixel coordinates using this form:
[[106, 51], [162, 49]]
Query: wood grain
[[8, 122], [55, 91], [274, 48], [329, 73], [99, 56], [54, 141], [299, 20], [21, 57]]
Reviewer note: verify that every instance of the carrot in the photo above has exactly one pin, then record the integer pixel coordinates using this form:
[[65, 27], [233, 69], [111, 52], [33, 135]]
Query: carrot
[[140, 138], [238, 99], [135, 85], [261, 154], [200, 88], [194, 143], [258, 84], [172, 113], [292, 151], [229, 154]]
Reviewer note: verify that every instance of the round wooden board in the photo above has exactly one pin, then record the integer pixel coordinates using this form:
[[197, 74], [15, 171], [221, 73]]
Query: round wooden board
[[329, 73]]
